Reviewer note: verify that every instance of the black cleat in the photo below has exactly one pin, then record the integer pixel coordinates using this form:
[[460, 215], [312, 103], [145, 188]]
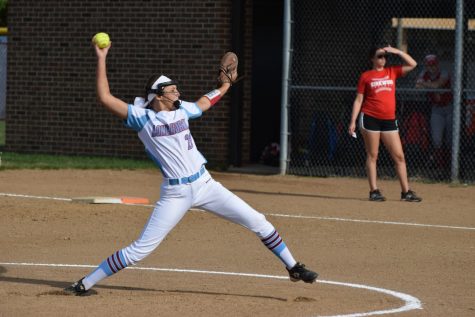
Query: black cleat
[[77, 289], [300, 273], [375, 195], [410, 196]]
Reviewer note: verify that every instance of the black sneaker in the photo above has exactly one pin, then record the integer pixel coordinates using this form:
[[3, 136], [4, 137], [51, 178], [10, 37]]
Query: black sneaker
[[76, 289], [375, 195], [410, 196], [300, 273]]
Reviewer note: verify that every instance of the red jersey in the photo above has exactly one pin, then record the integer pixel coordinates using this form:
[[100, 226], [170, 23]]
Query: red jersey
[[379, 91]]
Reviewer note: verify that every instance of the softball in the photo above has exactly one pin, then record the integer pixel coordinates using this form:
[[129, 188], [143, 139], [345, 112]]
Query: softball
[[101, 40]]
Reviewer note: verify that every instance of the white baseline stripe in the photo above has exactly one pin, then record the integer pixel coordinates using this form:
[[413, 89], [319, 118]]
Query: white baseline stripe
[[36, 197], [284, 215], [372, 221], [410, 302]]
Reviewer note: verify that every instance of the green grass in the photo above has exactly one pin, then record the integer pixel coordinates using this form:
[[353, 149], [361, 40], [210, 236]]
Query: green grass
[[11, 160], [2, 132]]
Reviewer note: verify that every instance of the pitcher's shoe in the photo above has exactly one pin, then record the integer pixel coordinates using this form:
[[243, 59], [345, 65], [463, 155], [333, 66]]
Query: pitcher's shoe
[[76, 289], [300, 273]]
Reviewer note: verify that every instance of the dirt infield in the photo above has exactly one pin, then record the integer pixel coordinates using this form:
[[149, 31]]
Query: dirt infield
[[372, 257]]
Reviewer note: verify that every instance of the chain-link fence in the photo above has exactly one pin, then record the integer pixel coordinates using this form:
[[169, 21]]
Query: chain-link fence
[[329, 46]]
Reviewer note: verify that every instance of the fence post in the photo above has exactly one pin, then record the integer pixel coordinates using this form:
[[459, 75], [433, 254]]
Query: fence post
[[457, 90], [284, 122]]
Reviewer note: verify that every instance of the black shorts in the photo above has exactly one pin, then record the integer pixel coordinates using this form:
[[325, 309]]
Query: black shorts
[[377, 125]]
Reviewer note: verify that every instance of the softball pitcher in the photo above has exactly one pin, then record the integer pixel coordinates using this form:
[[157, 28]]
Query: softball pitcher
[[161, 121]]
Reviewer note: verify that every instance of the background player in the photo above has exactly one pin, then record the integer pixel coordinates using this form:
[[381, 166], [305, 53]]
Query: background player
[[161, 121], [441, 116], [375, 104]]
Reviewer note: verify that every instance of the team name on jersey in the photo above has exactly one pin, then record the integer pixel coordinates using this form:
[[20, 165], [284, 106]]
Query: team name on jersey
[[169, 129], [379, 84]]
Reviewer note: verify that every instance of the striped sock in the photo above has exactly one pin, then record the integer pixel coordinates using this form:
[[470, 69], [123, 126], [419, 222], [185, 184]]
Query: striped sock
[[275, 243], [109, 266]]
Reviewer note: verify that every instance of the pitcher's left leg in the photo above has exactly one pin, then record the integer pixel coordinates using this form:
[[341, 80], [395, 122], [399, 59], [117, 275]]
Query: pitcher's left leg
[[220, 201]]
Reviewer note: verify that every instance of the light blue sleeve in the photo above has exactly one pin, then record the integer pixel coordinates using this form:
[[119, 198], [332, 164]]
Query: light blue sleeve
[[136, 118], [191, 109]]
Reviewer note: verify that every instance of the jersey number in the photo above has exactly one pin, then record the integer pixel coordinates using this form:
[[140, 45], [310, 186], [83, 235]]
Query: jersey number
[[190, 141]]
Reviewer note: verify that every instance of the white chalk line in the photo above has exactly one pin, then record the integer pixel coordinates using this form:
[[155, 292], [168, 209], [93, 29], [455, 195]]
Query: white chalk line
[[35, 197], [410, 302], [285, 215], [373, 221]]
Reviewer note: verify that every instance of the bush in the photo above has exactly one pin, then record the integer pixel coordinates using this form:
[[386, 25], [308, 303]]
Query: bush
[[3, 13]]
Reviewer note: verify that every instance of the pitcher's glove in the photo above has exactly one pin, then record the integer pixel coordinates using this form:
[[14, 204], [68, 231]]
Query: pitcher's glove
[[228, 69]]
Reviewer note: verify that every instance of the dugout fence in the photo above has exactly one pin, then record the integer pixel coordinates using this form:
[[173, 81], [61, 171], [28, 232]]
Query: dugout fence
[[326, 48]]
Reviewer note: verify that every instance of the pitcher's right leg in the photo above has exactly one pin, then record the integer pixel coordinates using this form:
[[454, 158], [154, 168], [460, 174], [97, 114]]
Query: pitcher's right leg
[[166, 214]]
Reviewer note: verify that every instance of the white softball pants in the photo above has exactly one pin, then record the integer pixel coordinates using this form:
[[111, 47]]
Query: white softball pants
[[175, 200]]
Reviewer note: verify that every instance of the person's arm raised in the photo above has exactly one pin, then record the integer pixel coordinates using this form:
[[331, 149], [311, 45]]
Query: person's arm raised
[[409, 62], [104, 96], [227, 76], [212, 97]]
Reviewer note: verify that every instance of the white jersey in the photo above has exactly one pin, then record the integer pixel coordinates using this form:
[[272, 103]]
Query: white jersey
[[167, 138]]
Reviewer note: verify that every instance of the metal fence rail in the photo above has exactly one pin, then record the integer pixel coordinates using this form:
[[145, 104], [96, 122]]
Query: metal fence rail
[[328, 44]]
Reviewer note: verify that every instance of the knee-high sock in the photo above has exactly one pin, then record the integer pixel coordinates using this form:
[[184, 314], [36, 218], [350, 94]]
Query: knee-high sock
[[109, 266], [275, 243]]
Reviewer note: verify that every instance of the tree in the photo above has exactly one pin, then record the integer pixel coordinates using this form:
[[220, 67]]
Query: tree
[[3, 13]]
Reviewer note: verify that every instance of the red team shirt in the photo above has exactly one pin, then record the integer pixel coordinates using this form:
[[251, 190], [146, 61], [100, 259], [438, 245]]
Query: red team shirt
[[379, 91]]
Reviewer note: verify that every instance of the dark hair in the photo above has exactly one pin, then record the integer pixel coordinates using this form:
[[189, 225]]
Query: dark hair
[[151, 80], [373, 51]]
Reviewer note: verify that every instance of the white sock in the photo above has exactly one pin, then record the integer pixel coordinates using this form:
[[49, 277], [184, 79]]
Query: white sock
[[287, 258], [95, 277]]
